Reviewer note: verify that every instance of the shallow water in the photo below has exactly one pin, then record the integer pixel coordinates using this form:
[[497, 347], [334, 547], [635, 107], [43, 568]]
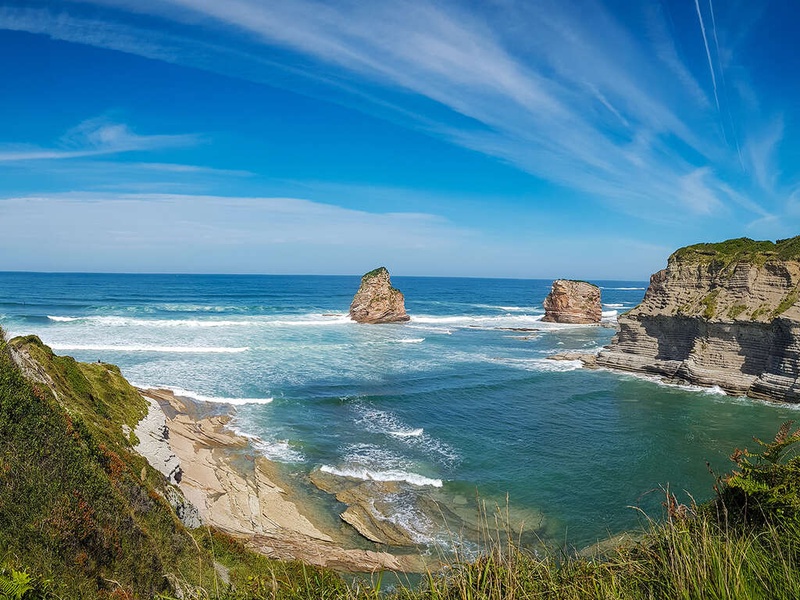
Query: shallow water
[[458, 402]]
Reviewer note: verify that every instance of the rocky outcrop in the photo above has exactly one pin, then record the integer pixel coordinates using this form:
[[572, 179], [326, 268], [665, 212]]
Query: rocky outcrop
[[245, 495], [722, 315], [377, 301], [587, 360], [367, 511], [572, 302], [153, 435], [372, 510]]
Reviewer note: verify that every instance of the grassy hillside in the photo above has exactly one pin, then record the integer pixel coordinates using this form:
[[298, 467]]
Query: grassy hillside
[[80, 510], [82, 516]]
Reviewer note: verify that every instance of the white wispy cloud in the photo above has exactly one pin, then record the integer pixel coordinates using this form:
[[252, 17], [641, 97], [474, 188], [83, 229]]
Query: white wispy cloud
[[96, 137], [659, 26], [571, 96], [708, 51], [158, 232], [260, 221], [60, 25], [760, 151], [188, 169], [161, 232]]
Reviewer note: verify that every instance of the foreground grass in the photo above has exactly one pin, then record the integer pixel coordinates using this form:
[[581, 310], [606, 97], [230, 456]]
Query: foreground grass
[[82, 516], [689, 559]]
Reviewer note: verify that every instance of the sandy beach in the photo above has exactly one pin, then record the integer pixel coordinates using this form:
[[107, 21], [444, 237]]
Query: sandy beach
[[238, 491]]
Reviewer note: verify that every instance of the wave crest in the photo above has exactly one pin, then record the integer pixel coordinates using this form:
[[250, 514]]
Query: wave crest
[[202, 398], [370, 475], [147, 348]]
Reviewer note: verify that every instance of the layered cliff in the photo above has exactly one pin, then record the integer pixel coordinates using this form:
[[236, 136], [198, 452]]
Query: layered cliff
[[723, 314], [572, 301], [376, 301]]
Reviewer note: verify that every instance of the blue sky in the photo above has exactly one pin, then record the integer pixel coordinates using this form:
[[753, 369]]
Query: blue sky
[[497, 138]]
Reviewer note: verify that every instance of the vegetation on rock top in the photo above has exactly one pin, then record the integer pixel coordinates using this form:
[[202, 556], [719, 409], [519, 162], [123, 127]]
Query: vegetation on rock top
[[580, 281], [739, 250], [375, 273]]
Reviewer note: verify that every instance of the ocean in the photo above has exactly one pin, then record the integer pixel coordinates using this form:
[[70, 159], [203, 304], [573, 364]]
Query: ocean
[[461, 402]]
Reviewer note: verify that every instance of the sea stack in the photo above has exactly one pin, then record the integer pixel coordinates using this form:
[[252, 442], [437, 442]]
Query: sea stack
[[725, 315], [572, 301], [377, 301]]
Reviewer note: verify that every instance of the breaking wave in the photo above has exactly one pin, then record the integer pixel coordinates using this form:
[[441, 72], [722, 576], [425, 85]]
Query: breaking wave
[[284, 321], [203, 398], [143, 348], [390, 475], [403, 433]]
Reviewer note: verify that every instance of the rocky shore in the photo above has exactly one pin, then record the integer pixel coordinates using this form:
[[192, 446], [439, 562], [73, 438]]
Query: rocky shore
[[229, 486]]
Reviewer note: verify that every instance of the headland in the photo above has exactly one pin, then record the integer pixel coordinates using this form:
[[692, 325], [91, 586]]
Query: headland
[[725, 314]]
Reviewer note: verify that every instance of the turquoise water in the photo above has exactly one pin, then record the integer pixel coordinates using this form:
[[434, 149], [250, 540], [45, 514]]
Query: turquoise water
[[458, 402]]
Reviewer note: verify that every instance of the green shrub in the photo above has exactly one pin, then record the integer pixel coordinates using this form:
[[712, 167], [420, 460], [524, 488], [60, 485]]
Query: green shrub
[[766, 486], [735, 310], [786, 303]]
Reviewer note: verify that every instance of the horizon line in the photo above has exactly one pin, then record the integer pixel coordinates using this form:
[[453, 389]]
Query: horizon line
[[197, 274]]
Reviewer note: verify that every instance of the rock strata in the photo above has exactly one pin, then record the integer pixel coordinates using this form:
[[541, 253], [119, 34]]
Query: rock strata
[[153, 435], [372, 510], [722, 315], [571, 301], [589, 361], [367, 511], [242, 494], [377, 301]]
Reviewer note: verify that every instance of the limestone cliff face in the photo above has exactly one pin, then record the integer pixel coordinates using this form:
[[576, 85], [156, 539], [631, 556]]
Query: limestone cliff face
[[572, 302], [377, 301], [720, 314]]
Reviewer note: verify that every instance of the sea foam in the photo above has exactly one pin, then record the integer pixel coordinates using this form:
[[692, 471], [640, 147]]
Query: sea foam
[[365, 474], [309, 320], [277, 450], [203, 398], [385, 422], [540, 364], [148, 348], [403, 433]]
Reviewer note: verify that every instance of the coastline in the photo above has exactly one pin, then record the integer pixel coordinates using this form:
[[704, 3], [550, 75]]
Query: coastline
[[237, 491]]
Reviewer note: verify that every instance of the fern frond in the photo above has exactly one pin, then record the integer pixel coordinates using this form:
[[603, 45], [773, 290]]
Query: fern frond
[[15, 586]]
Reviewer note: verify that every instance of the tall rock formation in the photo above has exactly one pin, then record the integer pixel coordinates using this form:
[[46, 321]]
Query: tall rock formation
[[722, 314], [572, 302], [377, 301]]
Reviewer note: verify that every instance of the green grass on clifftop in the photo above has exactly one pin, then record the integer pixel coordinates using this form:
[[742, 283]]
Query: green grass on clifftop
[[740, 250]]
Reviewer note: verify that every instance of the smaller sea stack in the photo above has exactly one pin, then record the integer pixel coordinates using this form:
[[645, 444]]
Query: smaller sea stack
[[376, 301], [573, 302]]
